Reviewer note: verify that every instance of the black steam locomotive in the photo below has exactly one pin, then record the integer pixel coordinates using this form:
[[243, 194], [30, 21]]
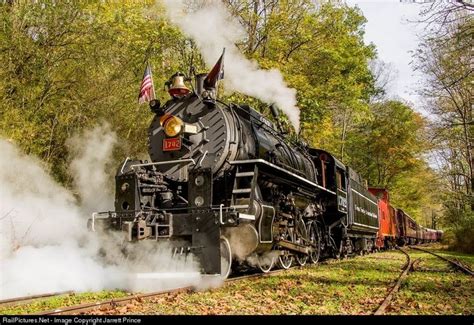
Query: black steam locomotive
[[226, 185]]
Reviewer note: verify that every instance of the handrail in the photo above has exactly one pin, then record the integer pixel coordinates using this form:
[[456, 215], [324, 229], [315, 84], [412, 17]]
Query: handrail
[[178, 161], [95, 216], [124, 163], [221, 219]]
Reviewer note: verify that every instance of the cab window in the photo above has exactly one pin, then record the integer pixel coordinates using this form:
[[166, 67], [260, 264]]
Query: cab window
[[340, 180]]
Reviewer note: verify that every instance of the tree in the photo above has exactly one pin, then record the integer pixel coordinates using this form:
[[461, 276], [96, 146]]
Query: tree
[[69, 65], [449, 95], [389, 151], [384, 74], [321, 52], [389, 144], [445, 56]]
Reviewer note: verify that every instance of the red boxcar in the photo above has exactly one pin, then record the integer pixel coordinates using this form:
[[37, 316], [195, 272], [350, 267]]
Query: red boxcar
[[387, 219]]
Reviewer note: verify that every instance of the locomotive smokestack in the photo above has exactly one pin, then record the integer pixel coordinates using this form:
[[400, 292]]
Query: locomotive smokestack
[[275, 112], [199, 79], [276, 115]]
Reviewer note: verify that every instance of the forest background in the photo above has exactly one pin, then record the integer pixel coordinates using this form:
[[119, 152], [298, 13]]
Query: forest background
[[67, 66]]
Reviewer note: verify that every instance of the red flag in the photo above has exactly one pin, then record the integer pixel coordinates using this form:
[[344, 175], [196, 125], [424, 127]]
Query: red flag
[[216, 73], [147, 90]]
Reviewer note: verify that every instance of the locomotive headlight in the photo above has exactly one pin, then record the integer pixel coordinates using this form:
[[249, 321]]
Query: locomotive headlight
[[173, 126]]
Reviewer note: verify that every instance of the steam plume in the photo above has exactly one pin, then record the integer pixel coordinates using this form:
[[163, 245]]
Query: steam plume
[[44, 242], [213, 27], [91, 154]]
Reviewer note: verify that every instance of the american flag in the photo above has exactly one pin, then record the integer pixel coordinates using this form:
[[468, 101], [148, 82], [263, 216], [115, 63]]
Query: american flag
[[147, 90]]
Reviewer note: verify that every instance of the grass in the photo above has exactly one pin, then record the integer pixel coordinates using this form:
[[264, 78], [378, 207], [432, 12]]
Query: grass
[[466, 259], [352, 286], [435, 287]]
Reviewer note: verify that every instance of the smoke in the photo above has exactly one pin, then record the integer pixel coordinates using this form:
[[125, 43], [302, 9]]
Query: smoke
[[213, 28], [44, 242], [91, 154]]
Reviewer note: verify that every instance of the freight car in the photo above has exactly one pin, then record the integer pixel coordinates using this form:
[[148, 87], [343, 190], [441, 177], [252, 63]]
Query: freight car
[[409, 232], [397, 227], [387, 234], [429, 235], [226, 185]]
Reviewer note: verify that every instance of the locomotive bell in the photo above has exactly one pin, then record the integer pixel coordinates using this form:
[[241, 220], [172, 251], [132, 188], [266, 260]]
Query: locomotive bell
[[177, 88]]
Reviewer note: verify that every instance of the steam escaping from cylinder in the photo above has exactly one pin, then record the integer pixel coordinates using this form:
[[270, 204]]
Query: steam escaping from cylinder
[[267, 258], [44, 243], [243, 240], [213, 28]]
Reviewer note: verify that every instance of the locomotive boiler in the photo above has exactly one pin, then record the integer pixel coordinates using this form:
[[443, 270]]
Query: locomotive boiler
[[224, 183]]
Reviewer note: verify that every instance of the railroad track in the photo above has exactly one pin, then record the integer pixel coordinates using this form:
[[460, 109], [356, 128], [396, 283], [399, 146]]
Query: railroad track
[[456, 264], [82, 308], [409, 264], [28, 299], [86, 307], [406, 268]]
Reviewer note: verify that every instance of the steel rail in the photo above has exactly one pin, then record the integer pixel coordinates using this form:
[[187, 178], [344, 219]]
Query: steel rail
[[456, 264], [81, 308], [112, 302], [386, 302], [20, 300], [121, 301]]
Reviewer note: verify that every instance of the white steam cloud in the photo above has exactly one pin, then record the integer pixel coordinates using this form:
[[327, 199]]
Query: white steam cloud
[[44, 244], [213, 28], [91, 152]]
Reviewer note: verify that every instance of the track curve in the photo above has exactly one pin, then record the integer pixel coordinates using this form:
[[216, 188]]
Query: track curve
[[386, 302]]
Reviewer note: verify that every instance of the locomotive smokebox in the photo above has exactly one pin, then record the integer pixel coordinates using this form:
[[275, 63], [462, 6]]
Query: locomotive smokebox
[[216, 140]]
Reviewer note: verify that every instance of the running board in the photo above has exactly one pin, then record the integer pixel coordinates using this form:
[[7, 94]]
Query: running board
[[294, 247]]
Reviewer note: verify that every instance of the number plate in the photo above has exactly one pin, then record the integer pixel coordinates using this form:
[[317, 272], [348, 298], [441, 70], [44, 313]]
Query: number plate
[[171, 144]]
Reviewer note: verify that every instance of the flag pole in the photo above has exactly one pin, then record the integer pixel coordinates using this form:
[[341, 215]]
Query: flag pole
[[151, 77], [221, 71]]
